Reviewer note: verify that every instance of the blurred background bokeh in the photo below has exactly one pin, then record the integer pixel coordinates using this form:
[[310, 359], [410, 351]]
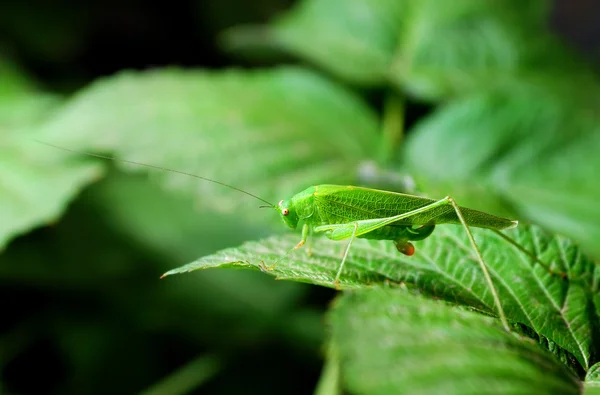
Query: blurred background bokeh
[[83, 311]]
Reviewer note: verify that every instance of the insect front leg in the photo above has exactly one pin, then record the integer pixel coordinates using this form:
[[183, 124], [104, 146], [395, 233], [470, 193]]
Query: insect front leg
[[305, 231], [264, 268]]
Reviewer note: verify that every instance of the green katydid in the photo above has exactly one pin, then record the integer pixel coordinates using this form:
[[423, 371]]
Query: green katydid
[[348, 212]]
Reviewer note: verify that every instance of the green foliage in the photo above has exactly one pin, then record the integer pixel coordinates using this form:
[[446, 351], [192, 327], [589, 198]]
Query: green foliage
[[592, 382], [432, 49], [514, 133], [434, 348], [37, 184], [277, 128], [559, 309], [356, 39], [528, 152]]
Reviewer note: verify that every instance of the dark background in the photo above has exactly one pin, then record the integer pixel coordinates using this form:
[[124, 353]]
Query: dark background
[[68, 43], [64, 45]]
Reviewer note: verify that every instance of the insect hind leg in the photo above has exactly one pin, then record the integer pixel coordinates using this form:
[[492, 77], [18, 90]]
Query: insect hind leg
[[482, 264], [407, 248]]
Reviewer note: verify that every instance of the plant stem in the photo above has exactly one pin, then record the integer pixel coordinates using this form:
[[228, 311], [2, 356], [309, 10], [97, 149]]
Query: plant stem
[[392, 126], [187, 378], [329, 382]]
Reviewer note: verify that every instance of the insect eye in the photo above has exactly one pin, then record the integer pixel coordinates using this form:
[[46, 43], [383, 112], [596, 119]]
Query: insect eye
[[285, 211]]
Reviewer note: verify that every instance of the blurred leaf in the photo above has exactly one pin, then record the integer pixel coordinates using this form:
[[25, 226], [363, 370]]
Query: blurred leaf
[[268, 132], [50, 261], [329, 382], [432, 49], [356, 38], [166, 223], [187, 378], [13, 82], [21, 104], [24, 111], [530, 149], [444, 266], [454, 48], [592, 381], [36, 186], [172, 231], [121, 306], [391, 342]]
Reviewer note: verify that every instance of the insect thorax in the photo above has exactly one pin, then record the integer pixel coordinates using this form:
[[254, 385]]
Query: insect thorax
[[303, 204]]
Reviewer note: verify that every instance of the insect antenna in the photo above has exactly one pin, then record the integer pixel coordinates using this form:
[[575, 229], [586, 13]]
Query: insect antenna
[[158, 168]]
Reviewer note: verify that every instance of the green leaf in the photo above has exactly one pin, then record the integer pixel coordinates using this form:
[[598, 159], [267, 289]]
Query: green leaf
[[267, 132], [35, 185], [356, 41], [172, 230], [13, 82], [188, 377], [167, 224], [430, 48], [20, 104], [592, 381], [392, 342], [526, 151], [454, 48], [329, 382], [562, 310]]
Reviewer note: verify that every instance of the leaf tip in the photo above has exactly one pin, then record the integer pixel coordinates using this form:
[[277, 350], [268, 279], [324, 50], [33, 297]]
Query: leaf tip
[[170, 272]]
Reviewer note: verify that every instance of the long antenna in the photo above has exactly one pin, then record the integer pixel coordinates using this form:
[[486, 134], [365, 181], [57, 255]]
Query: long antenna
[[155, 167]]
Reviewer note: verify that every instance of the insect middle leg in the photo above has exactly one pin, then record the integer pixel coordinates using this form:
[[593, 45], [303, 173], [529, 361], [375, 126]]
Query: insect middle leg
[[339, 272], [309, 241]]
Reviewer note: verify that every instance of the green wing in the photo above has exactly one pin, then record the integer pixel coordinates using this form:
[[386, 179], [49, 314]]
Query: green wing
[[344, 204]]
